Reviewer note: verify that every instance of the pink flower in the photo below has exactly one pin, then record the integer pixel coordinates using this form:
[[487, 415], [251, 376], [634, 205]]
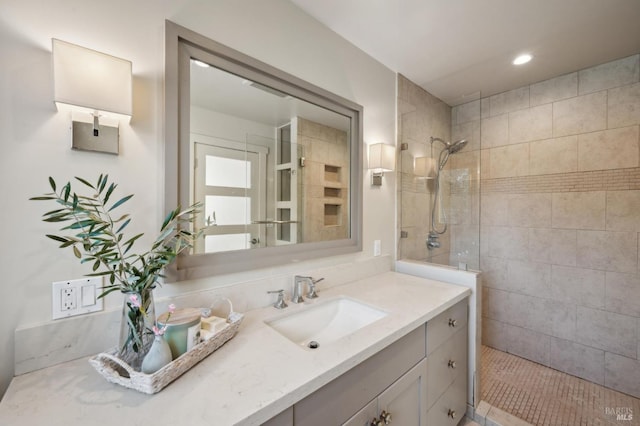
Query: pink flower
[[158, 331], [134, 300], [172, 308]]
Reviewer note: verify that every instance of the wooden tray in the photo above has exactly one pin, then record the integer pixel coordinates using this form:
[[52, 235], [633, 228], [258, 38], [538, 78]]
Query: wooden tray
[[117, 371]]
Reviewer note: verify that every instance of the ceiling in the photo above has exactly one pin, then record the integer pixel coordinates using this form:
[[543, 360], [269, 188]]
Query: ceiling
[[459, 50], [217, 90]]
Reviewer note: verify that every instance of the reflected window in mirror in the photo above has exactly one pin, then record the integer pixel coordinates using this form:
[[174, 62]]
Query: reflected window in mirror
[[275, 161]]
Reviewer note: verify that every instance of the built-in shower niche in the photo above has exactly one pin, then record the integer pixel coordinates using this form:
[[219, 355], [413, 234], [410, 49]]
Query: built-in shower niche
[[332, 195]]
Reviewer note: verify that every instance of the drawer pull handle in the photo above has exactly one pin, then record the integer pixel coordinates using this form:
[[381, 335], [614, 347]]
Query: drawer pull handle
[[385, 417], [452, 414], [452, 322], [451, 364]]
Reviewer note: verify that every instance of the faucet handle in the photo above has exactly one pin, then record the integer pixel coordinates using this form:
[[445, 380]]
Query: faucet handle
[[312, 288], [280, 303]]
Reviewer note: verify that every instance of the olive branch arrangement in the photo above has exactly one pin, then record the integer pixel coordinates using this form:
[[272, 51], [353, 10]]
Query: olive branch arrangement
[[97, 238]]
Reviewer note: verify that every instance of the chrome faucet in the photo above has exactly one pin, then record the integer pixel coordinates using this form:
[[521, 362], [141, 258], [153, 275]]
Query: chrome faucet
[[280, 303], [297, 288], [312, 288], [297, 291]]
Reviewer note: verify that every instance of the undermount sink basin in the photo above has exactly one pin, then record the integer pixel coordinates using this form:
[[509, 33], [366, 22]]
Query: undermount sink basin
[[324, 322]]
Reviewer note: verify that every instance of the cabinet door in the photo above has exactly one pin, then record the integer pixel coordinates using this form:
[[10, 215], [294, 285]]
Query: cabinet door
[[405, 399], [364, 416]]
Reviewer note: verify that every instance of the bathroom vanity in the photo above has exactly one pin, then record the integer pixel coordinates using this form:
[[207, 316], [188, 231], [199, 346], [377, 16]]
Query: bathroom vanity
[[410, 364]]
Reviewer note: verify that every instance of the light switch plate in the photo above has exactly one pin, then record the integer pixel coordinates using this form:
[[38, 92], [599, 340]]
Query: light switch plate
[[76, 297], [376, 248]]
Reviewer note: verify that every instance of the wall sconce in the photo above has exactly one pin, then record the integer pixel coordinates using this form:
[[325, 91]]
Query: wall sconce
[[96, 88], [424, 167], [382, 158]]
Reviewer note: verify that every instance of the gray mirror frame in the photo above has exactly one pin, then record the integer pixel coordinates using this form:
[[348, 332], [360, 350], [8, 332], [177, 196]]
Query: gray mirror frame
[[177, 42]]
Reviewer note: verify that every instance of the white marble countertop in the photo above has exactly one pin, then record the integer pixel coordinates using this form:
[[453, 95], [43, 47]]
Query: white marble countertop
[[253, 377]]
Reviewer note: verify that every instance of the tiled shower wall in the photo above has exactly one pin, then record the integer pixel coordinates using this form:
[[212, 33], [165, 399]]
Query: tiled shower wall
[[560, 219], [324, 146], [420, 116]]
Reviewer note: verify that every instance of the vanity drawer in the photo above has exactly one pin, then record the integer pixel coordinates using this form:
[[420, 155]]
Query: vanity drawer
[[339, 400], [442, 327], [446, 364], [451, 407]]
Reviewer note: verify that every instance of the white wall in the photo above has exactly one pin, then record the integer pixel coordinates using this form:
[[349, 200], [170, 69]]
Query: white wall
[[34, 138]]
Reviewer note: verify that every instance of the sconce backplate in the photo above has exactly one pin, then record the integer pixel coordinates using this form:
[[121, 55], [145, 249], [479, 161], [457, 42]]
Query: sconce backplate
[[83, 139]]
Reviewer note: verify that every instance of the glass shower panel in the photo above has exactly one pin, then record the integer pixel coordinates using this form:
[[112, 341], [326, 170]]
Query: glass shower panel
[[434, 169]]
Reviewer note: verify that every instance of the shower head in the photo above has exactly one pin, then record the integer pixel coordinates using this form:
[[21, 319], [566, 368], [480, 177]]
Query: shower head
[[456, 146], [451, 147]]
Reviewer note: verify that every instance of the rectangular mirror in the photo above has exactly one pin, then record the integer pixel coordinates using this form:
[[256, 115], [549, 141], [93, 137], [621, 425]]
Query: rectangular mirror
[[276, 161]]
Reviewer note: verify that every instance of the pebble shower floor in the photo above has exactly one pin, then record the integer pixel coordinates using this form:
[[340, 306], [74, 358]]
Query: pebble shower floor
[[546, 397]]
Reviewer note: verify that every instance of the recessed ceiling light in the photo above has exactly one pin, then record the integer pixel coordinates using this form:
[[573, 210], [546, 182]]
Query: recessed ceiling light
[[522, 59]]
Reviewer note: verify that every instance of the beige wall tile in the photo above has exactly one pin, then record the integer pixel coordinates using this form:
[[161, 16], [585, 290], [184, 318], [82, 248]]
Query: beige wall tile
[[555, 89], [526, 311], [493, 334], [530, 210], [530, 124], [579, 210], [485, 164], [530, 278], [559, 318], [495, 131], [623, 211], [509, 243], [467, 161], [485, 107], [512, 100], [415, 210], [623, 293], [609, 149], [607, 330], [494, 273], [576, 359], [555, 246], [467, 112], [494, 209], [498, 305], [624, 106], [507, 161], [587, 113], [581, 286], [558, 155], [623, 374], [528, 344], [608, 251], [469, 131], [608, 75]]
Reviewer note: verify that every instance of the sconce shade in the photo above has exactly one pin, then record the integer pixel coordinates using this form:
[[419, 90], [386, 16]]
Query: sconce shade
[[382, 157], [424, 167], [91, 80]]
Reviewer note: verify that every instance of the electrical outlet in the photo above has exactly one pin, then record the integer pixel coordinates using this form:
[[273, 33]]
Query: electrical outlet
[[76, 297], [69, 299]]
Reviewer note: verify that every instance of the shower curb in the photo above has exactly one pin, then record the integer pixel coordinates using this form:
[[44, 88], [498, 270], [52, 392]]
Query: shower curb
[[488, 415]]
